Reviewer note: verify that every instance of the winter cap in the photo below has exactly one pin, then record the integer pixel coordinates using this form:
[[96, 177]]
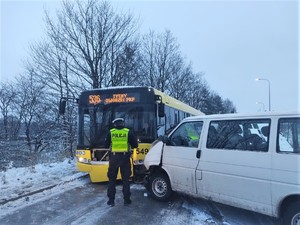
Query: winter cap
[[118, 120]]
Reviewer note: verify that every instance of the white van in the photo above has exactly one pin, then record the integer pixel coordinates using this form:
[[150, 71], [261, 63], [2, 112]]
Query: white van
[[249, 161]]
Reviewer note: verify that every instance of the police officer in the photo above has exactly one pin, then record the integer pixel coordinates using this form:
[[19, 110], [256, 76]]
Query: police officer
[[119, 139]]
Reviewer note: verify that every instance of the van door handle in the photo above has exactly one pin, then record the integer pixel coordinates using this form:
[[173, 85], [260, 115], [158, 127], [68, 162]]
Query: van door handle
[[198, 154]]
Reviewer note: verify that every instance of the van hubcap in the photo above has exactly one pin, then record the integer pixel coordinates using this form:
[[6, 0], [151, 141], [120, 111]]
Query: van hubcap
[[159, 187], [296, 219]]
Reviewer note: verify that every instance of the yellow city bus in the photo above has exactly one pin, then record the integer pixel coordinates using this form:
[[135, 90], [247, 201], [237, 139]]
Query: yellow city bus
[[147, 111]]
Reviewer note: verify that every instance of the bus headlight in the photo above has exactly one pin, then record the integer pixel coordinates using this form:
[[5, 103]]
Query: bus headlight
[[83, 160], [138, 162]]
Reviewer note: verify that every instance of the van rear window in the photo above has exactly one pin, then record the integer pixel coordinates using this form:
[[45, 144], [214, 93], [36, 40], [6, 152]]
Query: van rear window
[[288, 135], [249, 135]]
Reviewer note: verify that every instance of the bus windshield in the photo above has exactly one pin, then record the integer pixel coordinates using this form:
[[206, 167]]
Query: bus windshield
[[94, 122]]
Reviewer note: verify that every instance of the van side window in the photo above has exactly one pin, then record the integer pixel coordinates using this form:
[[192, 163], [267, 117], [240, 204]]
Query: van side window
[[251, 135], [288, 136], [187, 134]]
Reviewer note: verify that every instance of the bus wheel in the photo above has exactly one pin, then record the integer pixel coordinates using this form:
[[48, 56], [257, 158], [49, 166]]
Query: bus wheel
[[292, 214], [160, 187]]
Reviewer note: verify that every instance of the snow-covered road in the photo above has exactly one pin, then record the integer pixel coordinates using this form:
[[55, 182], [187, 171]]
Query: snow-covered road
[[77, 201]]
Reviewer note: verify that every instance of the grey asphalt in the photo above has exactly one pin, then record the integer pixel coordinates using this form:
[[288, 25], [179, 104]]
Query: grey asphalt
[[86, 205]]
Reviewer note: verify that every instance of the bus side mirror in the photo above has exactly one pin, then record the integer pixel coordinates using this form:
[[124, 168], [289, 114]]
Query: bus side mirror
[[161, 109], [62, 106]]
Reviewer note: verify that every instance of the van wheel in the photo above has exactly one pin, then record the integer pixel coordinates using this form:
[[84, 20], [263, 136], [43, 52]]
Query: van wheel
[[160, 187], [292, 214]]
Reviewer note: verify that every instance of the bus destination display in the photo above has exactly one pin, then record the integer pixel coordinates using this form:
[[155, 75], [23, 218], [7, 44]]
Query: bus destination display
[[113, 98]]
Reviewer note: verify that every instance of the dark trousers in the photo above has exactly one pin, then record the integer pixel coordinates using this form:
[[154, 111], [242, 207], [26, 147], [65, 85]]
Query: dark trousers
[[117, 161]]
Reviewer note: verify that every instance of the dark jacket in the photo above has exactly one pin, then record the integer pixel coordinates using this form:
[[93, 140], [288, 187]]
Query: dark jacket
[[132, 140]]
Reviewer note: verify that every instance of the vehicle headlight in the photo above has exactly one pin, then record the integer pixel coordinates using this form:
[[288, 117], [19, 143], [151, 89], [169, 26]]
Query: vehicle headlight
[[138, 162], [83, 160]]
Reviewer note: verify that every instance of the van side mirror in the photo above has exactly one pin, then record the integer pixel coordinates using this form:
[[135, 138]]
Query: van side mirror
[[161, 109], [62, 106], [166, 140]]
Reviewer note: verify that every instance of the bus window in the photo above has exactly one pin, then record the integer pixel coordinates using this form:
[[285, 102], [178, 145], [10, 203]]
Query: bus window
[[86, 129], [161, 126]]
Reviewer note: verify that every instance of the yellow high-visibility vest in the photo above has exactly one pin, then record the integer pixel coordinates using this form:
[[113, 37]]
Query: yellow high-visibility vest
[[119, 140], [193, 135]]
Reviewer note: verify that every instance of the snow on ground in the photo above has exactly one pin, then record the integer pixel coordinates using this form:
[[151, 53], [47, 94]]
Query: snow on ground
[[16, 182]]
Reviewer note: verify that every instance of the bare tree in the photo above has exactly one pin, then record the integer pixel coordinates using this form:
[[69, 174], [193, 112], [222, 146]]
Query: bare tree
[[182, 83], [161, 59], [92, 36], [200, 93], [83, 49], [229, 107], [127, 67], [48, 65], [34, 112], [148, 59], [7, 95]]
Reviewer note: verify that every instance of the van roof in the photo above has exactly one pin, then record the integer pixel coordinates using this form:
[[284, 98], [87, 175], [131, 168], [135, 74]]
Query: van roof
[[242, 115]]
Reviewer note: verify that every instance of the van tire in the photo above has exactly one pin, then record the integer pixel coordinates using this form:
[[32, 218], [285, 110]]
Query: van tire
[[292, 215], [160, 187]]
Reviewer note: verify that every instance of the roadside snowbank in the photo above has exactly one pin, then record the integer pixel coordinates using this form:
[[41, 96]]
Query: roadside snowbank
[[19, 181]]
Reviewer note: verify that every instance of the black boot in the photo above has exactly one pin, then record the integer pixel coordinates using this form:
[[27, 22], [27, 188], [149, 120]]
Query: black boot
[[127, 201], [111, 202]]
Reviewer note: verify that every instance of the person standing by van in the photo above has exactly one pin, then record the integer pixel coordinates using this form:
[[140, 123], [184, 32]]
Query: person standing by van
[[119, 139]]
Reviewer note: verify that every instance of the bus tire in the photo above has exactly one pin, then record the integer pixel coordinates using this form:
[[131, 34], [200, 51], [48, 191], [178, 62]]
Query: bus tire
[[159, 187], [291, 215]]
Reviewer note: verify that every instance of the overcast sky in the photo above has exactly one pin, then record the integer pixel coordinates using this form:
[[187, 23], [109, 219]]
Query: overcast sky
[[231, 42]]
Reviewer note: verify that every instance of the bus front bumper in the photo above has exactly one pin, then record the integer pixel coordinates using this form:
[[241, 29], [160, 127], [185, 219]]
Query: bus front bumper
[[96, 170]]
